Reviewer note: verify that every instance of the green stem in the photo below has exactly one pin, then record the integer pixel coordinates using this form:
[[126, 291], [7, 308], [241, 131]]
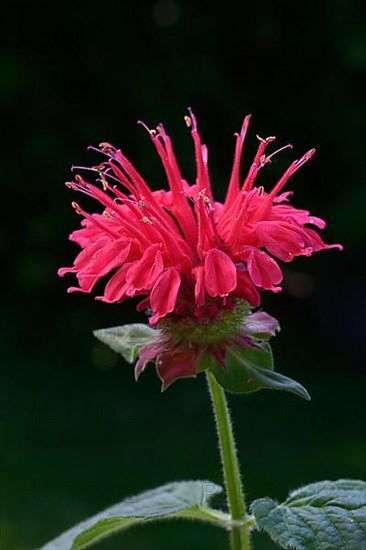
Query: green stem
[[239, 533]]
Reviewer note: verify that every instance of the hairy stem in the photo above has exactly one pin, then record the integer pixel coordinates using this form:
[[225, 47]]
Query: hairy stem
[[239, 533]]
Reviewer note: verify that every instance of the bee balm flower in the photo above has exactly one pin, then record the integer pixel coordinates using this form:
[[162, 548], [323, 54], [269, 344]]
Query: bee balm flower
[[185, 254]]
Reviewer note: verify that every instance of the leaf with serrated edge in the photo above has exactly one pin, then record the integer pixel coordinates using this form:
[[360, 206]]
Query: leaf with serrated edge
[[329, 515], [126, 339], [184, 499]]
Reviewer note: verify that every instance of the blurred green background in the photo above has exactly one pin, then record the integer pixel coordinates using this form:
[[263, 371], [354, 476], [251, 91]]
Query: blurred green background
[[77, 432]]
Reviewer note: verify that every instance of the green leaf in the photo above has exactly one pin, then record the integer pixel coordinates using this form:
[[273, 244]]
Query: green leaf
[[185, 499], [251, 369], [329, 515], [126, 339]]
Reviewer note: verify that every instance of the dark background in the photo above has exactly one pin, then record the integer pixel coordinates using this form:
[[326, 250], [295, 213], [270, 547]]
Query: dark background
[[77, 432]]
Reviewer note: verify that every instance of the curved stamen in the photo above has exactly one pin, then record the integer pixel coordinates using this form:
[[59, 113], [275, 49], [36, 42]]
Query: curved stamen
[[268, 159]]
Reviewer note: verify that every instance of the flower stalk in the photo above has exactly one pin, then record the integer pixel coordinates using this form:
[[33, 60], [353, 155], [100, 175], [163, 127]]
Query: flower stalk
[[239, 530]]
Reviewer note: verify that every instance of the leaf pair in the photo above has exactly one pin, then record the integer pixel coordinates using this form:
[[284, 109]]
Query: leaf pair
[[247, 369], [329, 515]]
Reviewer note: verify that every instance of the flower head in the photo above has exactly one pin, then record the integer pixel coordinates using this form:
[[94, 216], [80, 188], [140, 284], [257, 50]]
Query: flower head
[[181, 250], [185, 254]]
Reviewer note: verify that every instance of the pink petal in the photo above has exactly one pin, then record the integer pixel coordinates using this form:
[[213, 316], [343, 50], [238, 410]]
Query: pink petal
[[246, 289], [109, 257], [282, 239], [164, 294], [115, 288], [143, 273], [220, 273], [86, 257], [317, 243], [199, 289], [263, 270]]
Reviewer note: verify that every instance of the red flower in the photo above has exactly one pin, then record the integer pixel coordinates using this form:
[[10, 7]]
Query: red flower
[[182, 251]]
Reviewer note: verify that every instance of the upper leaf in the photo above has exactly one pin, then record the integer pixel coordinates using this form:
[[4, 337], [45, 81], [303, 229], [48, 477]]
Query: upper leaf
[[180, 499], [251, 369], [329, 515], [126, 339]]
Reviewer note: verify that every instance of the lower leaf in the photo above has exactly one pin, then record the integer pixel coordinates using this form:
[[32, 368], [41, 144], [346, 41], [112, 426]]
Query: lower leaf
[[329, 515], [185, 499]]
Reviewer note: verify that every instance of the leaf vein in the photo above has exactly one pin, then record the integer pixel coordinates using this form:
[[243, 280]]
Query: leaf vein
[[293, 535], [359, 525], [309, 526], [336, 528]]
